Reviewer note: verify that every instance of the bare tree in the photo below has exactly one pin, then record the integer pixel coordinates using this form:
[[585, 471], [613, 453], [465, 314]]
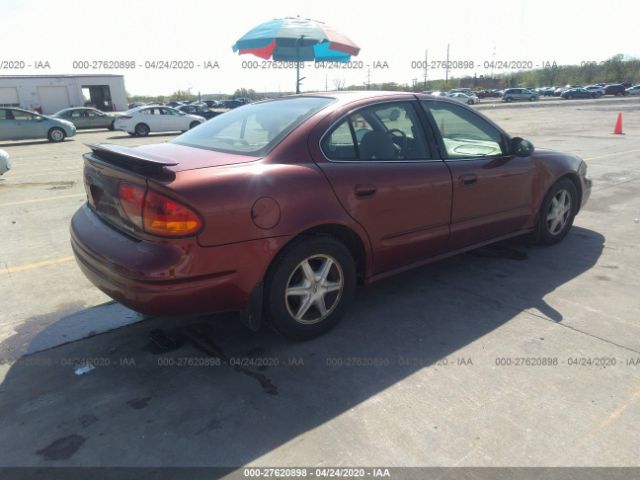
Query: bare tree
[[339, 83]]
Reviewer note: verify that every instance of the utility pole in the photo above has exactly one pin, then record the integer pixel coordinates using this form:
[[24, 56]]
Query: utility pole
[[426, 63], [369, 78], [326, 85], [446, 69]]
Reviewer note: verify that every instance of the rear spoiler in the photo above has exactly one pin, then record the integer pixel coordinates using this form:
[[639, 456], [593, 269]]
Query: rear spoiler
[[129, 157]]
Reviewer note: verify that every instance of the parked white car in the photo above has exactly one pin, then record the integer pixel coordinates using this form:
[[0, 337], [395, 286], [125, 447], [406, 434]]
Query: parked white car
[[154, 118], [635, 90], [5, 164], [464, 98]]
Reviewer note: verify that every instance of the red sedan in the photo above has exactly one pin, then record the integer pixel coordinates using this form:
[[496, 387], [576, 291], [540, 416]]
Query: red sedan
[[279, 209]]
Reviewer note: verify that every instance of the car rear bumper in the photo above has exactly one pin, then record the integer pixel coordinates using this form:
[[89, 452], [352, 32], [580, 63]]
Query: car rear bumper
[[166, 278]]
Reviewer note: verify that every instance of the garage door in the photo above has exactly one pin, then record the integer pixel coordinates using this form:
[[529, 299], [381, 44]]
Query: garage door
[[53, 99], [9, 96]]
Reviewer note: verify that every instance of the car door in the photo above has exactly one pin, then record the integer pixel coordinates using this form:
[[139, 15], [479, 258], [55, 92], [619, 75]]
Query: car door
[[29, 125], [8, 129], [78, 118], [384, 174], [492, 190], [94, 119], [172, 120], [151, 117]]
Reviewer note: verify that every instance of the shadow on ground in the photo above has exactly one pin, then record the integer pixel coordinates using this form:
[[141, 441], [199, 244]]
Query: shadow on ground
[[206, 391]]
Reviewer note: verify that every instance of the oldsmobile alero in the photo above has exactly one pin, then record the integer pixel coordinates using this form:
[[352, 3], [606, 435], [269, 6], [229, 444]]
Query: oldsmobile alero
[[280, 208]]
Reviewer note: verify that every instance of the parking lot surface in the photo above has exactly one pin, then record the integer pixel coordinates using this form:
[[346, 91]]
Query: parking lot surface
[[510, 355]]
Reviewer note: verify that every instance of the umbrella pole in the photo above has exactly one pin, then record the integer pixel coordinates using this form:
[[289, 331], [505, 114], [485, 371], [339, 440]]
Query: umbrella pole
[[298, 66], [298, 63]]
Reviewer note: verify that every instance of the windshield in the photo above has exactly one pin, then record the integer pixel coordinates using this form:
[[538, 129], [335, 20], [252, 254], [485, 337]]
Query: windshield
[[253, 129]]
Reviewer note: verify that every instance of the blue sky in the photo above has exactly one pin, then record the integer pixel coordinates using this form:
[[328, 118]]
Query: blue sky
[[397, 33]]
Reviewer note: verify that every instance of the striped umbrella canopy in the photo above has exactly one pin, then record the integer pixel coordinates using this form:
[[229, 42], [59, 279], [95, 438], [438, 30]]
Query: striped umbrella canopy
[[295, 39]]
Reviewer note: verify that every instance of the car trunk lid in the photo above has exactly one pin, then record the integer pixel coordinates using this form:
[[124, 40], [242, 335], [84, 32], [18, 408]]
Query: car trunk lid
[[108, 168], [190, 158]]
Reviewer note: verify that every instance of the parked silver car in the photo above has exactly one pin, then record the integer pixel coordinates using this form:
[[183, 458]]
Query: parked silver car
[[5, 164], [511, 94], [19, 124], [635, 90], [84, 117]]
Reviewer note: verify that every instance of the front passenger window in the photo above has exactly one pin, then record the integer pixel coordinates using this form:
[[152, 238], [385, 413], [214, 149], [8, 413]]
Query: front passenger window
[[464, 134], [384, 132]]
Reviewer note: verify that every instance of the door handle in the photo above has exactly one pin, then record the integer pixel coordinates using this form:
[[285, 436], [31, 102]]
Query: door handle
[[365, 190], [469, 179]]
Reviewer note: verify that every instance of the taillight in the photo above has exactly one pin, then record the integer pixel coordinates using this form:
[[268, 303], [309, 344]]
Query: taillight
[[164, 216], [131, 200], [156, 213]]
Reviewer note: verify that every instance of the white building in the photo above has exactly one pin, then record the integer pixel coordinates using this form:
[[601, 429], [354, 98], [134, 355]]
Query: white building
[[50, 93]]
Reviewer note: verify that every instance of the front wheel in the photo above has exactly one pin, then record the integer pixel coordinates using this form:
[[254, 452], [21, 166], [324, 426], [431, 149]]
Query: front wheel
[[558, 210], [310, 287], [193, 124], [56, 134]]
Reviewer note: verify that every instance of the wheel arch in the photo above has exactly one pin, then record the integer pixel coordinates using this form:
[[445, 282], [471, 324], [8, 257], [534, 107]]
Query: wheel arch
[[347, 236], [576, 181]]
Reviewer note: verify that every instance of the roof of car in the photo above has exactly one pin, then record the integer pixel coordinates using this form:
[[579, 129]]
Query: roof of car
[[77, 108]]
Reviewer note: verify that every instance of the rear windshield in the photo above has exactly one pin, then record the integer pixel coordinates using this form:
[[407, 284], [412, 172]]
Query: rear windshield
[[253, 129]]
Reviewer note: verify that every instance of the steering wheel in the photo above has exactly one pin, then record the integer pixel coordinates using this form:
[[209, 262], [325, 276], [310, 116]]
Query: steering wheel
[[397, 133]]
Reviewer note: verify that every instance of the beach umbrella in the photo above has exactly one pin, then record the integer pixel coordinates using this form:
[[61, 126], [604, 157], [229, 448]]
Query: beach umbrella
[[295, 39]]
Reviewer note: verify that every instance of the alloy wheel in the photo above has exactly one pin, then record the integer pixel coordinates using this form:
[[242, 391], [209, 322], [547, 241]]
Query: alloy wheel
[[559, 212], [314, 289]]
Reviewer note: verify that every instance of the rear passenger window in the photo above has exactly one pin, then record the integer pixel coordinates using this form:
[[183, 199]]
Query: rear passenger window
[[338, 145]]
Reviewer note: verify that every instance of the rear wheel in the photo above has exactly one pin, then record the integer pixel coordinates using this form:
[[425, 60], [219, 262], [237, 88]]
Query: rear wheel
[[557, 212], [310, 287], [142, 130], [508, 99], [56, 134]]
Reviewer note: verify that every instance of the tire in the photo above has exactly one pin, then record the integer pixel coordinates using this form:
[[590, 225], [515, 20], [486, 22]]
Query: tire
[[56, 135], [142, 130], [287, 287], [112, 126], [193, 124], [531, 99], [548, 231], [569, 97], [508, 99], [469, 102]]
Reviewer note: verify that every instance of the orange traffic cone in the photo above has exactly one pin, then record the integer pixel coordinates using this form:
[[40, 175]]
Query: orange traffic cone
[[617, 130]]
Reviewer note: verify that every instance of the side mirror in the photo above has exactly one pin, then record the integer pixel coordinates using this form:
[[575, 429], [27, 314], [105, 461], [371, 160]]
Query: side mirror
[[521, 147]]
